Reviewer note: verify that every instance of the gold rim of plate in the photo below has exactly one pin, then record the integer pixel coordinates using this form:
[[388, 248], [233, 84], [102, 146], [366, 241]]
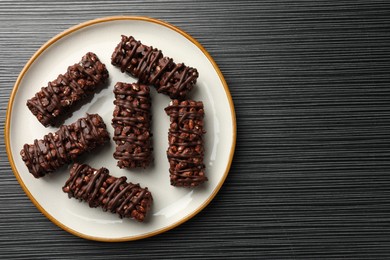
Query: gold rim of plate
[[72, 30]]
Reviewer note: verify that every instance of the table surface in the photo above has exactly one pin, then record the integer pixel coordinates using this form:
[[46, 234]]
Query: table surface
[[311, 85]]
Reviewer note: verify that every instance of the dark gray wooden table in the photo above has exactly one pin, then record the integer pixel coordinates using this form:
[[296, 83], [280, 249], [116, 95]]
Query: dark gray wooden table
[[311, 173]]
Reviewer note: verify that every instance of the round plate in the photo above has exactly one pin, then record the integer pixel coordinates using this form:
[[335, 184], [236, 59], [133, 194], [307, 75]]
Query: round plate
[[172, 205]]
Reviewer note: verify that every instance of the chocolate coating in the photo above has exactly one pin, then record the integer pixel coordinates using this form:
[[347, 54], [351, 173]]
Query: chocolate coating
[[63, 94], [186, 150], [100, 189], [65, 145], [150, 66], [131, 122]]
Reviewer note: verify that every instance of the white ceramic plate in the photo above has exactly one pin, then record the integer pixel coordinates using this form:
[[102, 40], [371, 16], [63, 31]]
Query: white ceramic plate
[[172, 205]]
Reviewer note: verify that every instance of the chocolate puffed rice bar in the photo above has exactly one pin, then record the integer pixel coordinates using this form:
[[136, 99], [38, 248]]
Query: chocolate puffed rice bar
[[53, 102], [186, 150], [65, 145], [131, 122], [99, 189], [151, 67]]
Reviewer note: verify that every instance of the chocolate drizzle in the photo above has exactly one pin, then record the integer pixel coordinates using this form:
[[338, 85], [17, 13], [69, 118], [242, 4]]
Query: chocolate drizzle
[[150, 67], [61, 96], [112, 194], [186, 151], [65, 145], [131, 121]]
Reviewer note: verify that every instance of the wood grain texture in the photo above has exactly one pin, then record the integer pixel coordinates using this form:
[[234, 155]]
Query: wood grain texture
[[311, 86]]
